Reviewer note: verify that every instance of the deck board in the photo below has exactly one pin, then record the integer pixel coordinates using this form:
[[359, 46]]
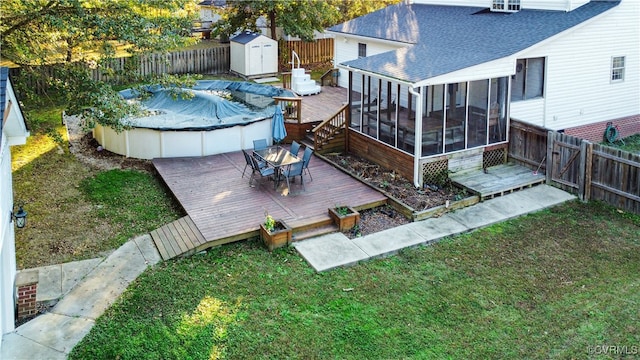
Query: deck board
[[498, 180], [222, 207]]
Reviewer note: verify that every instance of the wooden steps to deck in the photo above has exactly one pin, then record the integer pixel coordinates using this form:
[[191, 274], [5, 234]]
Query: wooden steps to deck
[[178, 238]]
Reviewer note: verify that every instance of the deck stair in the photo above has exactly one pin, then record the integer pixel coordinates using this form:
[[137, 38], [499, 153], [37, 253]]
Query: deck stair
[[330, 135], [178, 238], [318, 225]]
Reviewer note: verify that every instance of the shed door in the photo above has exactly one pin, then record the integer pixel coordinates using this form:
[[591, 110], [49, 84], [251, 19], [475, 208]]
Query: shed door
[[255, 59], [269, 58], [262, 58]]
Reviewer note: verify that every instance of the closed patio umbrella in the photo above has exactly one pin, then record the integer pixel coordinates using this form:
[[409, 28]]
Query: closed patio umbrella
[[279, 131]]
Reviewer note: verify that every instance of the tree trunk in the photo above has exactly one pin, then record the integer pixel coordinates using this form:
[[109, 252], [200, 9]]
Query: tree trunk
[[272, 24]]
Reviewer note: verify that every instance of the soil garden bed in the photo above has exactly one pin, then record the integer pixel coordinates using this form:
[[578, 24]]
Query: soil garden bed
[[401, 189]]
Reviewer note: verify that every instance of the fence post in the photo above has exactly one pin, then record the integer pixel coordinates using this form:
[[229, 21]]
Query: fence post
[[586, 168], [550, 142]]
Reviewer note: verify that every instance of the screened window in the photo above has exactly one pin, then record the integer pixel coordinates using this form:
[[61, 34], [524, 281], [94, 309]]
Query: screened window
[[528, 82], [617, 68], [505, 5], [362, 50]]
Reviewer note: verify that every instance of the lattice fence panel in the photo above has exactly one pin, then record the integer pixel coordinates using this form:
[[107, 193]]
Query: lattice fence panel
[[435, 172], [494, 157]]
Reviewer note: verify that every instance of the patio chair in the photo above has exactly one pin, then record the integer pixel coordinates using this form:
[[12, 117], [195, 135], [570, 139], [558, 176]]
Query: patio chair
[[295, 148], [260, 144], [249, 163], [263, 170], [306, 158], [292, 171]]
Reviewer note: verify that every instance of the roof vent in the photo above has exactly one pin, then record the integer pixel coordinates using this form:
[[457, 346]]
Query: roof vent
[[508, 6]]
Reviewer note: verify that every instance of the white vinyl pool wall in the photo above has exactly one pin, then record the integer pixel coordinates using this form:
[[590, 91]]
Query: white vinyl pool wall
[[143, 143]]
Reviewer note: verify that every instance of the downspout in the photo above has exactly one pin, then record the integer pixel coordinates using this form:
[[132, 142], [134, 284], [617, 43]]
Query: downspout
[[418, 138]]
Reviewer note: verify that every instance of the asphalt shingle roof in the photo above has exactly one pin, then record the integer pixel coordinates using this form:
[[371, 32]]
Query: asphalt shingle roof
[[4, 76], [245, 37], [441, 39]]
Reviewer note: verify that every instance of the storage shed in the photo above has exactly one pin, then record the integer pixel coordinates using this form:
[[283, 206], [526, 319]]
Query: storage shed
[[254, 55]]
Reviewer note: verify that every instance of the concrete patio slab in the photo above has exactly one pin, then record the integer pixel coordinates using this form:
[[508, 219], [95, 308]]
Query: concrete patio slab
[[476, 216], [330, 251], [112, 277], [58, 332], [389, 242], [433, 229], [17, 347], [545, 196], [148, 249], [49, 283], [57, 280]]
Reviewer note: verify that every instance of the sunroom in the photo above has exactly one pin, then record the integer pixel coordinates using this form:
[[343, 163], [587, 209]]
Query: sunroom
[[458, 120]]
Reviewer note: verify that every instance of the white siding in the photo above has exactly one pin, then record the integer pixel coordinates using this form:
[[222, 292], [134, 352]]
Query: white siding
[[7, 247], [578, 69], [346, 49], [566, 5]]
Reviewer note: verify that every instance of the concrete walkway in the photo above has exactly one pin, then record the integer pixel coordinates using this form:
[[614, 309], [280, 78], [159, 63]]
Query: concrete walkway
[[335, 250], [87, 288]]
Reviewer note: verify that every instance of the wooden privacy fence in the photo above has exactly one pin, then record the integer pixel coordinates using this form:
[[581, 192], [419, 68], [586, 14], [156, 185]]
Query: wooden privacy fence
[[528, 145], [198, 61], [594, 171], [319, 51]]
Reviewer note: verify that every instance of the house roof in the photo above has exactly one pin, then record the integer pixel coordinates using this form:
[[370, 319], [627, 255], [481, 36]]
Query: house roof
[[216, 3], [4, 76], [15, 127], [442, 39]]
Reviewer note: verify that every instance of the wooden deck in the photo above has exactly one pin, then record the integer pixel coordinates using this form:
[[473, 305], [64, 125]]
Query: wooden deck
[[224, 208], [324, 105], [498, 180]]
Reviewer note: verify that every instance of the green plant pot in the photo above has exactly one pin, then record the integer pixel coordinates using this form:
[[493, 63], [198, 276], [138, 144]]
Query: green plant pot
[[279, 237], [345, 221]]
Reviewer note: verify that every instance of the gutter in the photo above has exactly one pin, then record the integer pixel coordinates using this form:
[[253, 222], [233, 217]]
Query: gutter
[[372, 74], [417, 149]]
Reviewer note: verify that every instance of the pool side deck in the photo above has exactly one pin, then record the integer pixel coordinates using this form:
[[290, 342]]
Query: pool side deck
[[223, 208], [323, 105]]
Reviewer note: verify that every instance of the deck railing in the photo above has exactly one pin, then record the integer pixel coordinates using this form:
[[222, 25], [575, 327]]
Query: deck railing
[[328, 129], [292, 107]]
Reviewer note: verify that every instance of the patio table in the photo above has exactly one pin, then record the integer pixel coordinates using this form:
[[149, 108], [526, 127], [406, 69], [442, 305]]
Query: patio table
[[277, 157]]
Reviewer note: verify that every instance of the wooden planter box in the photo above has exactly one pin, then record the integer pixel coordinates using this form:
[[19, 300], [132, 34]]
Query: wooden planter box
[[345, 222], [277, 238]]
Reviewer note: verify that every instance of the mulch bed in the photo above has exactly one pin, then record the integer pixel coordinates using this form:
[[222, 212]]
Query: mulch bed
[[385, 217]]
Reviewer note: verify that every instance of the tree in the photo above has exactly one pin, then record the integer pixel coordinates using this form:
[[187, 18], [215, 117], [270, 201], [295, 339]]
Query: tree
[[70, 36], [350, 9], [295, 17]]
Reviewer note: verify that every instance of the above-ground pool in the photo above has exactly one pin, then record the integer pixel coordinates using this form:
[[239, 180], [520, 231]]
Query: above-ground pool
[[221, 116]]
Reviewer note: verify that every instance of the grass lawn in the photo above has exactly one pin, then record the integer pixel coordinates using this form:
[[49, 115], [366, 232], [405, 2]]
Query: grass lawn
[[75, 211], [561, 283], [630, 144]]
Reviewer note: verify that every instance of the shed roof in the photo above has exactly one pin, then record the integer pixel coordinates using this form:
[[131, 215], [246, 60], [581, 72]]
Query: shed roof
[[442, 39], [247, 37]]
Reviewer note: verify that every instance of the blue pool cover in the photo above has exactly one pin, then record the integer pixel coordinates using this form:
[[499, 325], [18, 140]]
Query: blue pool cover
[[215, 104]]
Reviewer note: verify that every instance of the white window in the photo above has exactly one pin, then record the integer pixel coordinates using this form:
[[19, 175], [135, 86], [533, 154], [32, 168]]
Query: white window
[[498, 5], [362, 50], [528, 82], [617, 68], [505, 5]]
